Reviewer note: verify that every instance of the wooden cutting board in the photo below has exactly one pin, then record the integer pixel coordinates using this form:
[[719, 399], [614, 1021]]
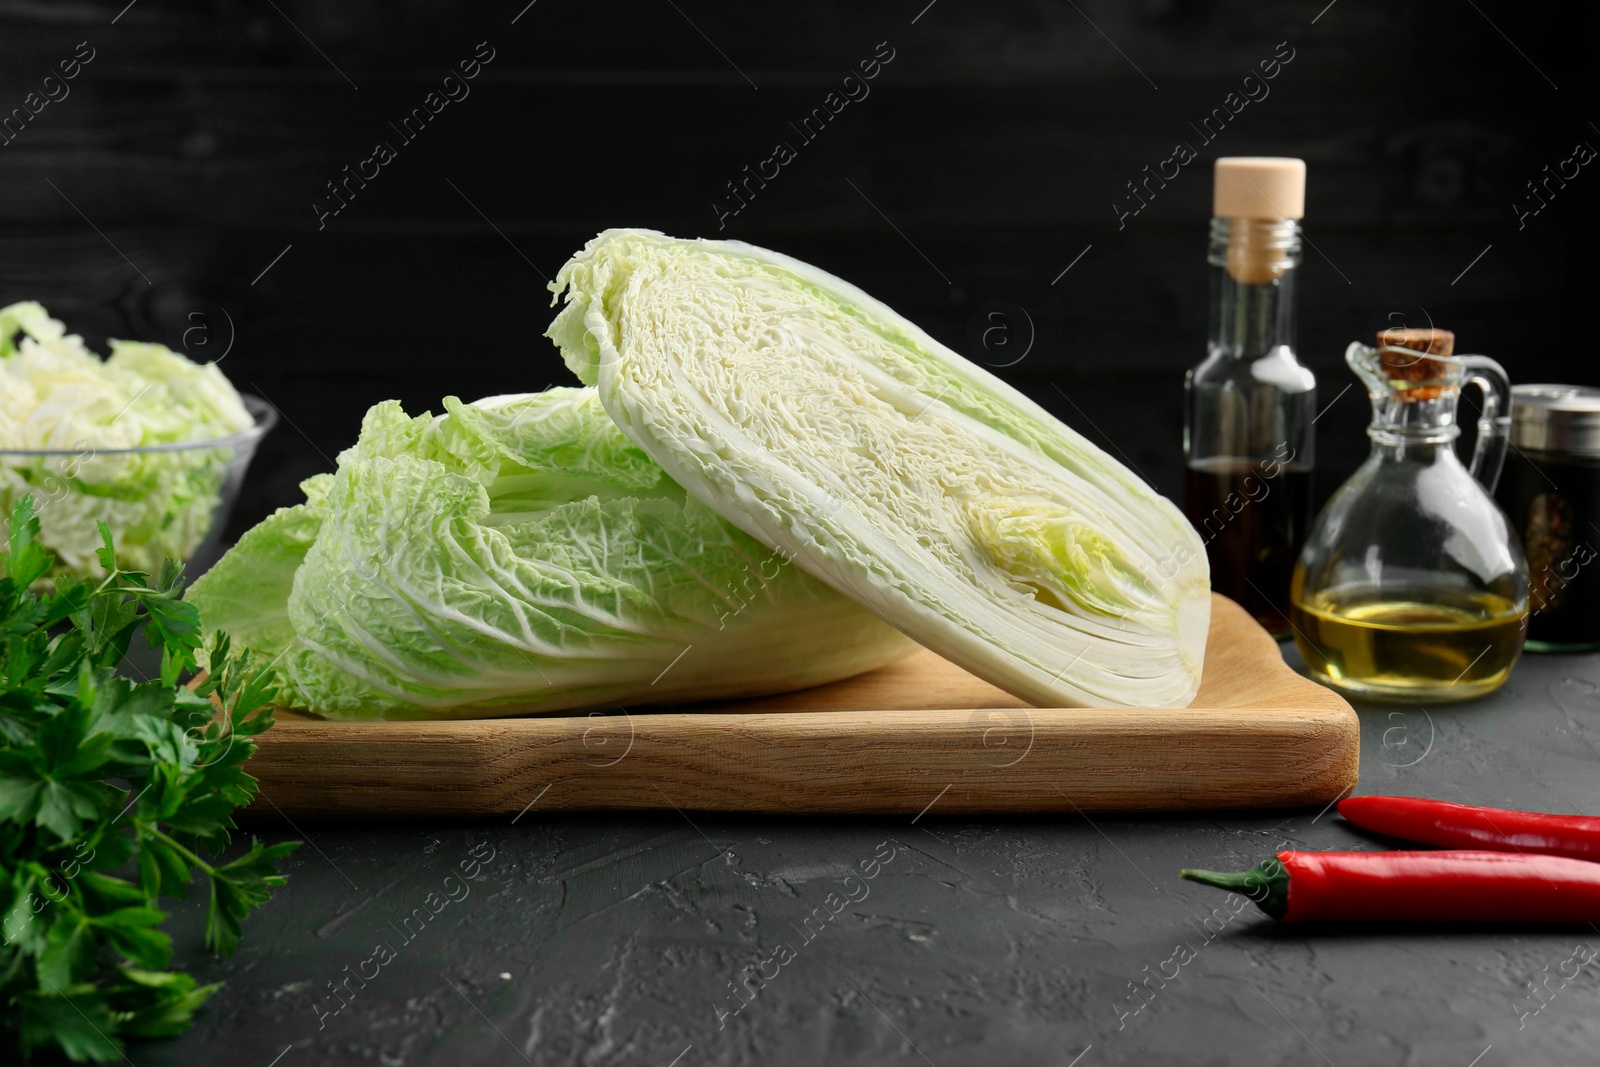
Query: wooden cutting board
[[918, 735]]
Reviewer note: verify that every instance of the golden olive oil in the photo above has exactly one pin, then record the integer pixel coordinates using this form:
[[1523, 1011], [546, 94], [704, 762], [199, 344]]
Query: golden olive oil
[[1387, 647]]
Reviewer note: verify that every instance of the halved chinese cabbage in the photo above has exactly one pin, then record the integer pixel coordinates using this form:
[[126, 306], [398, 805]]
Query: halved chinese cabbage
[[519, 555], [822, 423]]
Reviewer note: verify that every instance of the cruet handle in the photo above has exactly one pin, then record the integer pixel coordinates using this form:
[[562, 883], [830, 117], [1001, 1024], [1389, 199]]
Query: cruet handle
[[1494, 424]]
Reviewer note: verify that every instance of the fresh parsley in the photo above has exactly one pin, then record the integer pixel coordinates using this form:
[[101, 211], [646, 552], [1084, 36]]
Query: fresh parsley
[[113, 792]]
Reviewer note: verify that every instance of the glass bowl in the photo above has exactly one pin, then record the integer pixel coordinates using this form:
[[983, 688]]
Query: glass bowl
[[158, 500]]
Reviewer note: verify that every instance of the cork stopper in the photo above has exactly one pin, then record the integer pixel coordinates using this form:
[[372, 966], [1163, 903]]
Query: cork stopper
[[1404, 355], [1258, 194], [1259, 187]]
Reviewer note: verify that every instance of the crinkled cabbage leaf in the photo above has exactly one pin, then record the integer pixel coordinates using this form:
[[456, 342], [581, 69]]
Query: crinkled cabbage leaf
[[819, 421], [519, 555]]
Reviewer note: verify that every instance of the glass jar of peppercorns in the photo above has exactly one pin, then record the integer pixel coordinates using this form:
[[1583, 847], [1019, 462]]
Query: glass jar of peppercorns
[[1551, 490]]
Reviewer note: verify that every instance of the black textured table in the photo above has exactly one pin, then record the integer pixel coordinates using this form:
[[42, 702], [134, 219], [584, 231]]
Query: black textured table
[[700, 938]]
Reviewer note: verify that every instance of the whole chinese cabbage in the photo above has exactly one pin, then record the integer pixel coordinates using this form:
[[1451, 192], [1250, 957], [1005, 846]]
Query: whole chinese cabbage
[[817, 420], [519, 555]]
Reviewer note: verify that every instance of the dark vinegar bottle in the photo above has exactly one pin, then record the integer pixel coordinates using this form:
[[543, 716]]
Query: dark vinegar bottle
[[1252, 517], [1249, 406]]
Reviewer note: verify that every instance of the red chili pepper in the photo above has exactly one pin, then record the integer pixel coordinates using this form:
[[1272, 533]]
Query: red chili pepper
[[1452, 886], [1438, 822]]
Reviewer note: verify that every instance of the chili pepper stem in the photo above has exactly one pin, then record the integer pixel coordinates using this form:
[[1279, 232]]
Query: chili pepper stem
[[1266, 885], [1237, 880]]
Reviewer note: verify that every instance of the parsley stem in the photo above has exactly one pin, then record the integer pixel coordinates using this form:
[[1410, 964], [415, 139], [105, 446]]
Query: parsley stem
[[170, 843]]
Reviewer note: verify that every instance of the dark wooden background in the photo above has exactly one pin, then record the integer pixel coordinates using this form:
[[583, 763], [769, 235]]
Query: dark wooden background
[[985, 159]]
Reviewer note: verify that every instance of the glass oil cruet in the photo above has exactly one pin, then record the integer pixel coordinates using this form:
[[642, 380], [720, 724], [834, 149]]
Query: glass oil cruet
[[1412, 585]]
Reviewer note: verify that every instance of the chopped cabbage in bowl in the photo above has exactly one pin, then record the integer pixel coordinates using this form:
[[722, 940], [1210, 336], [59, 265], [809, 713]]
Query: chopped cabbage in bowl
[[153, 444]]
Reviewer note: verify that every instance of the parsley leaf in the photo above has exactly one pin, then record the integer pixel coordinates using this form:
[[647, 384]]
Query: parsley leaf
[[114, 793]]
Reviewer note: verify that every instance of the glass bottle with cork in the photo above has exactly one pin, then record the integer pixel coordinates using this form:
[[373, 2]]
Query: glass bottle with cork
[[1412, 585], [1250, 404]]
